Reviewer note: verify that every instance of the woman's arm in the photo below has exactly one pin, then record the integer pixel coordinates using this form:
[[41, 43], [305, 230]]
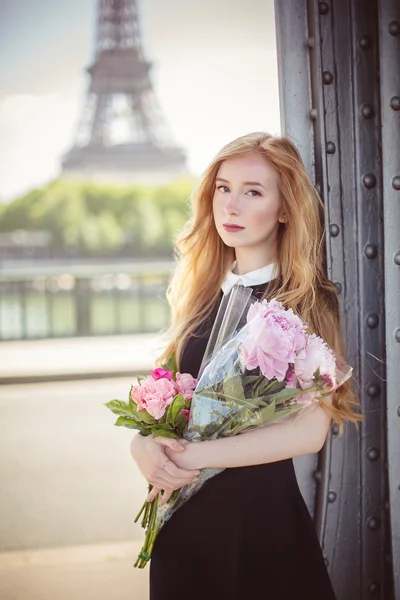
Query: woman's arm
[[305, 434]]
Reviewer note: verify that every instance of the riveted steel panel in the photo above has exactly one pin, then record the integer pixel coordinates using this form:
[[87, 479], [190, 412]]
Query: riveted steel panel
[[389, 40], [354, 117]]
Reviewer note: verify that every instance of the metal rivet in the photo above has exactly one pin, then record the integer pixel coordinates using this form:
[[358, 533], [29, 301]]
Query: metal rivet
[[373, 587], [365, 42], [318, 187], [327, 77], [317, 475], [335, 429], [373, 523], [313, 114], [372, 320], [398, 413], [369, 180], [334, 230], [367, 111], [370, 251], [397, 258], [373, 454], [323, 8], [395, 103], [338, 288], [332, 496], [373, 390], [326, 561], [397, 335], [396, 182], [394, 28], [330, 148], [310, 43]]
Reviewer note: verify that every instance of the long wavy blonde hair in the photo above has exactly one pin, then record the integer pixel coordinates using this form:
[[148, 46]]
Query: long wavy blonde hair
[[301, 284]]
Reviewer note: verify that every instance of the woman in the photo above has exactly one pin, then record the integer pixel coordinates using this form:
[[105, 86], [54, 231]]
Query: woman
[[247, 532]]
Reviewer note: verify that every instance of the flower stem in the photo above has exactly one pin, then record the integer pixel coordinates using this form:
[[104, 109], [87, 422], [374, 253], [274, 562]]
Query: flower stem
[[145, 553]]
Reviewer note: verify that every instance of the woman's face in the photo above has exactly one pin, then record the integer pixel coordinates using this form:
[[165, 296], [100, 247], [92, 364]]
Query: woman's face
[[247, 195]]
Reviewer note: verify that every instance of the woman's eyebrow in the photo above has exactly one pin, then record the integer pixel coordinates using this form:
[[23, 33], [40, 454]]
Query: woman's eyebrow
[[244, 183]]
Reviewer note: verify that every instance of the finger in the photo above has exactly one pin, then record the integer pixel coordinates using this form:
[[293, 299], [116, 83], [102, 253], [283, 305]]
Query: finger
[[153, 494], [166, 496], [170, 442], [171, 468], [163, 479]]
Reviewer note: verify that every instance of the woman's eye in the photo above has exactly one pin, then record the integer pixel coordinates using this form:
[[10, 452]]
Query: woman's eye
[[255, 193], [223, 190]]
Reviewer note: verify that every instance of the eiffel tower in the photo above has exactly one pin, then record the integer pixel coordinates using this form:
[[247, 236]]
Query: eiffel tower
[[122, 134]]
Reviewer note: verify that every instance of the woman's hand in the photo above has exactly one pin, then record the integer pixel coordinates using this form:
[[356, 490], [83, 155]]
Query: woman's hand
[[157, 467]]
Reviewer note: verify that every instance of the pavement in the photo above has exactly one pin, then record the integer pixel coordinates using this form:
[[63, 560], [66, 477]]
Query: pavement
[[32, 361], [93, 572], [70, 490]]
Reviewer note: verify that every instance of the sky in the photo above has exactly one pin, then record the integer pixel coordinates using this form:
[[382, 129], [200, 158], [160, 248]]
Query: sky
[[214, 74]]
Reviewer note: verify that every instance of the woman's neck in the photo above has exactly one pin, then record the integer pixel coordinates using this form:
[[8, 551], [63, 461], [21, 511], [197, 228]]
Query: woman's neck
[[247, 262]]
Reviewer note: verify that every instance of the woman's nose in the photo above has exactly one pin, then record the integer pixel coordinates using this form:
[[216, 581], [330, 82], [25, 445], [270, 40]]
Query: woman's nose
[[232, 205]]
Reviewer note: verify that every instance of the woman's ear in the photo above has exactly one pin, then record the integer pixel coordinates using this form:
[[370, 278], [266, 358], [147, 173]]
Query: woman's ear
[[282, 219]]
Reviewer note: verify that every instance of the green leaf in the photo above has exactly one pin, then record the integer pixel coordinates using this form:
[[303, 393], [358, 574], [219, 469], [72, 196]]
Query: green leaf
[[272, 387], [174, 408], [180, 424], [125, 422], [164, 432], [145, 417], [233, 388], [286, 394], [267, 414], [119, 407]]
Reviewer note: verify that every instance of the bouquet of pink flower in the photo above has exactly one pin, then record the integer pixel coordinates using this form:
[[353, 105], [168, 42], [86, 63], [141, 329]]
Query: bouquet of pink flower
[[157, 405], [269, 370], [260, 367]]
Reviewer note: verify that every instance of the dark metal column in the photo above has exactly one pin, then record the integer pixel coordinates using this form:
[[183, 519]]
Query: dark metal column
[[333, 53], [389, 36]]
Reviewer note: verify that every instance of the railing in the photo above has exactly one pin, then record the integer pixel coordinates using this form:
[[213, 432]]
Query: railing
[[83, 300]]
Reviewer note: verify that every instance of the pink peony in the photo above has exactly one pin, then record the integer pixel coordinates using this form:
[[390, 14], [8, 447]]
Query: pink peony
[[155, 404], [315, 355], [185, 384], [275, 336], [161, 386], [153, 395], [162, 374], [287, 319]]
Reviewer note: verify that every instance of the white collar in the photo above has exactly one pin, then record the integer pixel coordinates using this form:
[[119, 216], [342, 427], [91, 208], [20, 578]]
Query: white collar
[[251, 278]]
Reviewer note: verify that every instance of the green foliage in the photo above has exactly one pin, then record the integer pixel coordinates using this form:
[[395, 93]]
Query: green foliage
[[171, 424], [96, 219]]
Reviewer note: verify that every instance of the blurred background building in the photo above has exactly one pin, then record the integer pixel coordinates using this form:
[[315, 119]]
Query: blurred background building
[[123, 134]]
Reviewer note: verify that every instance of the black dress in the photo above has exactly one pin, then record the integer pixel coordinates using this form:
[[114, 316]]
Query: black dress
[[247, 534]]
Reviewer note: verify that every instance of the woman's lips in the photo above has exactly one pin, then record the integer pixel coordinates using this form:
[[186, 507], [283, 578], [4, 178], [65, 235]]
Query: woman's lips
[[232, 228]]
